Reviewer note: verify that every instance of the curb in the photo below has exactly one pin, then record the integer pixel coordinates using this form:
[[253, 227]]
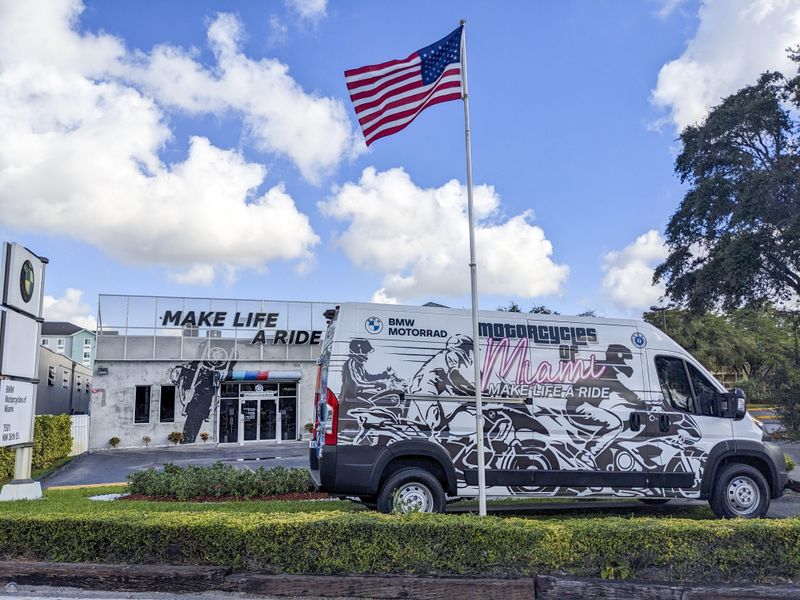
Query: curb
[[185, 578]]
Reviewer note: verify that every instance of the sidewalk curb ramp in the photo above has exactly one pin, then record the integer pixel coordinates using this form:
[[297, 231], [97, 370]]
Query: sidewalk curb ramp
[[182, 578]]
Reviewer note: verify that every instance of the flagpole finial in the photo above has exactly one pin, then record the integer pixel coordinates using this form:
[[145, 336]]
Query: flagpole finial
[[463, 22]]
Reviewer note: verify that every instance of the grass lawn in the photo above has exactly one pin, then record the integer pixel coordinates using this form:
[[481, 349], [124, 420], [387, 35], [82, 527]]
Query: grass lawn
[[77, 502]]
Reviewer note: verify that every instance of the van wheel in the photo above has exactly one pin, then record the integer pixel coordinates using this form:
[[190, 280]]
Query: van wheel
[[412, 490], [740, 491]]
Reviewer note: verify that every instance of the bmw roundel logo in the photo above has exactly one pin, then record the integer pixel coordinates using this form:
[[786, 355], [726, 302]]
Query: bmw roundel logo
[[26, 281], [639, 340], [373, 325]]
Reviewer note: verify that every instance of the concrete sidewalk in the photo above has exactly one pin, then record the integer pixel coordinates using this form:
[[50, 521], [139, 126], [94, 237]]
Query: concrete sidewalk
[[114, 466]]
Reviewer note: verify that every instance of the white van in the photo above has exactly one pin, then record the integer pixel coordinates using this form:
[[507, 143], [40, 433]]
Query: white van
[[573, 406]]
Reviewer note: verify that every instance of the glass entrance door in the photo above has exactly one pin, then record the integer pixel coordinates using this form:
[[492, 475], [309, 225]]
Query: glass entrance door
[[268, 412], [268, 429], [250, 419]]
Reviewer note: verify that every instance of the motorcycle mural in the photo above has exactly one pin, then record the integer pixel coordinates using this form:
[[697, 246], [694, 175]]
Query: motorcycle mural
[[563, 415]]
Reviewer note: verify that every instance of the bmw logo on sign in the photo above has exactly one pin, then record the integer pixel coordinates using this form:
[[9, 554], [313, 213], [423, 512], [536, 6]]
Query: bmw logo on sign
[[639, 340], [26, 281], [374, 325]]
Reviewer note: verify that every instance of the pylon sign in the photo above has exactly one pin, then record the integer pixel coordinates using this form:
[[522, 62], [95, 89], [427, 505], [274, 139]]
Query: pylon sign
[[21, 292], [23, 280], [16, 402]]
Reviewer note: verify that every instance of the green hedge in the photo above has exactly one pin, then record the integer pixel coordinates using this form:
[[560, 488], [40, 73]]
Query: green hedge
[[52, 441], [217, 481], [329, 543]]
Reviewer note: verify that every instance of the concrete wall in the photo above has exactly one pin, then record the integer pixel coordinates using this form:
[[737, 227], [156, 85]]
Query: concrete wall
[[56, 399], [197, 397]]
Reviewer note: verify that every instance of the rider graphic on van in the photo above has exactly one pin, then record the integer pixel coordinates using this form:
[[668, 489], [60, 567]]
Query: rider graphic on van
[[595, 417], [359, 383], [447, 372]]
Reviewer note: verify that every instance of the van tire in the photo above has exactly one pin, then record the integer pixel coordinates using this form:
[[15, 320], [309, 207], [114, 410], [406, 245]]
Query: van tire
[[419, 487], [740, 490]]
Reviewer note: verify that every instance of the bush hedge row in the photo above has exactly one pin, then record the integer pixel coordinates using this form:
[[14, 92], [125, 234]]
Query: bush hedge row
[[330, 543], [218, 480], [52, 440]]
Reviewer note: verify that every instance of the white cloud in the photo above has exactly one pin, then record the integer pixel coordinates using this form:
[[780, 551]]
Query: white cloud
[[418, 239], [312, 10], [629, 272], [195, 275], [313, 131], [669, 6], [735, 42], [80, 146], [70, 307], [278, 32]]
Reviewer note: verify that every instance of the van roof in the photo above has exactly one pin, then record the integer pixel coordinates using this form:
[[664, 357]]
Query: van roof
[[495, 313]]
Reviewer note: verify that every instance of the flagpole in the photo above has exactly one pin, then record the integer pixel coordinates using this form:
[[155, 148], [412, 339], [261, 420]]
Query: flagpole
[[473, 272]]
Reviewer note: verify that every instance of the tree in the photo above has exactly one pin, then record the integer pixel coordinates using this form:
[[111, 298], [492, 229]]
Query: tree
[[735, 238], [589, 312], [541, 309], [512, 307]]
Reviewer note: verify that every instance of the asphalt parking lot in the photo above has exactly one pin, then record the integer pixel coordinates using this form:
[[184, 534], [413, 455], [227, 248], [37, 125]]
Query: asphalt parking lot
[[114, 466]]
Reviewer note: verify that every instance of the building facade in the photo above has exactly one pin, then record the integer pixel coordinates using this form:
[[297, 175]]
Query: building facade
[[74, 342], [204, 370], [64, 386]]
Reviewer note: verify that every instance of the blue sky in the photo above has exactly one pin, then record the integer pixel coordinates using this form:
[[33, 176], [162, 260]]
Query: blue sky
[[575, 110]]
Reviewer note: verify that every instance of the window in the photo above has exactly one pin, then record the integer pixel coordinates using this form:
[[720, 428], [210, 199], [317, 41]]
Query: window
[[78, 383], [166, 412], [51, 375], [60, 345], [45, 342], [65, 379], [684, 386], [87, 344], [141, 409], [704, 391], [88, 385]]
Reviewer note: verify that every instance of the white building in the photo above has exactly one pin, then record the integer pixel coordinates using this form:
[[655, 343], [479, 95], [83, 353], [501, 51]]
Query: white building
[[240, 371]]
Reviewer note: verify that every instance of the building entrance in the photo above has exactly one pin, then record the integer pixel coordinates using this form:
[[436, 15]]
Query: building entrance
[[257, 412]]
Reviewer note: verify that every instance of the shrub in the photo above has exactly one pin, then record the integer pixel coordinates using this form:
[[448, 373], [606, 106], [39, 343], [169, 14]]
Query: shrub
[[52, 441], [334, 542], [114, 442], [146, 439], [176, 437], [204, 436], [790, 464], [309, 427], [217, 481]]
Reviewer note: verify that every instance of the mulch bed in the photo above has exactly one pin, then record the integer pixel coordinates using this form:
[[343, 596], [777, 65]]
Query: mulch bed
[[293, 496]]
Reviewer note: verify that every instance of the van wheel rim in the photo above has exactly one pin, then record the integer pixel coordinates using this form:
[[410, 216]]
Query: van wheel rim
[[413, 497], [743, 495]]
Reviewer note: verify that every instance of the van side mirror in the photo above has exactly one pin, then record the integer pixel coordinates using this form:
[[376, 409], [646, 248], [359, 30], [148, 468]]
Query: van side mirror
[[731, 404]]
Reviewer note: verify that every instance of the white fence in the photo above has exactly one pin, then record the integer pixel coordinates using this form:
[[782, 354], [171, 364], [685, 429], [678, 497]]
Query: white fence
[[80, 434]]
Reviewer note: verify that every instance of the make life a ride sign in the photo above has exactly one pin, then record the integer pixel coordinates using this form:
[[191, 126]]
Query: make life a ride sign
[[16, 416]]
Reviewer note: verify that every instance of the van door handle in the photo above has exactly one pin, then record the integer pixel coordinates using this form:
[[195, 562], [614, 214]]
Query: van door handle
[[663, 423], [635, 421]]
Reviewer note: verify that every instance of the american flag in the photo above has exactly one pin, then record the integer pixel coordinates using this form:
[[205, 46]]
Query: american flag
[[388, 96]]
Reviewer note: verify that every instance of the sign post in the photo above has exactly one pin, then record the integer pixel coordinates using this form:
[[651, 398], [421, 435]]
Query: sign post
[[21, 297]]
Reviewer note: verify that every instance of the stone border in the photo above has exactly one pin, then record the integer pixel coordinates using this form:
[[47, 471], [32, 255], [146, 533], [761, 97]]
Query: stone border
[[183, 578]]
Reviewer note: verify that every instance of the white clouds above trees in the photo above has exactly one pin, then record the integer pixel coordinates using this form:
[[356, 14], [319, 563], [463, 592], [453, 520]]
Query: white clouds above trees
[[417, 239], [629, 272], [736, 40]]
